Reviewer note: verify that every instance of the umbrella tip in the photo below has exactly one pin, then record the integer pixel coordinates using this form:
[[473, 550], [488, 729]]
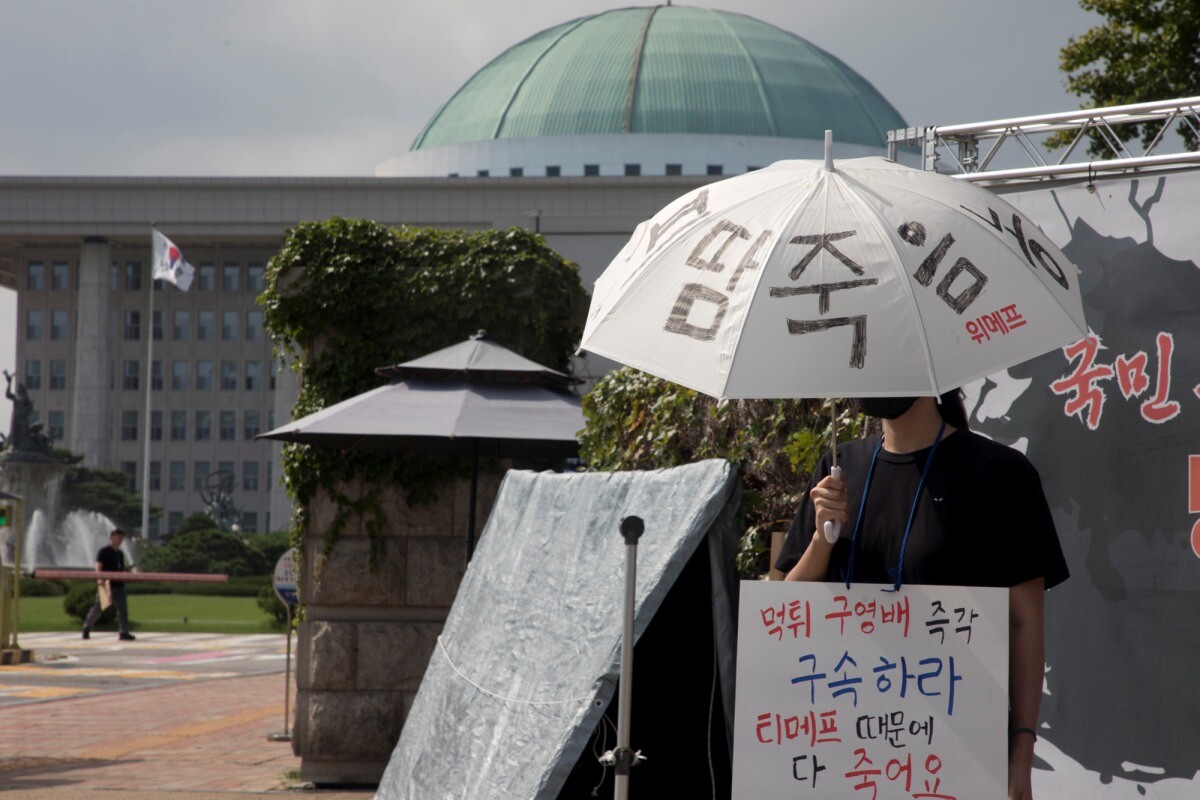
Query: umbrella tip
[[829, 150], [480, 334]]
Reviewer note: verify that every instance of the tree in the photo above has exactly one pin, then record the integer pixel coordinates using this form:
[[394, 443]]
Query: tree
[[637, 421], [1146, 50], [200, 551], [105, 491]]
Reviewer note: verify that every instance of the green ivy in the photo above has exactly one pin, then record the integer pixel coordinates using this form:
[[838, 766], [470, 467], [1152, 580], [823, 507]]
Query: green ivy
[[344, 297], [637, 421]]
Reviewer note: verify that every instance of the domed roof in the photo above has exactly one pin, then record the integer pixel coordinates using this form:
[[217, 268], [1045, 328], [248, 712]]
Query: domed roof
[[663, 69]]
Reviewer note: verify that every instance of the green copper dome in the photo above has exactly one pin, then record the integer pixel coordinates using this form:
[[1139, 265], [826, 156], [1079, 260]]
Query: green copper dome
[[665, 69]]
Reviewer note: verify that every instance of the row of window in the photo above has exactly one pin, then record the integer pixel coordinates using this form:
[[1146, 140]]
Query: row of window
[[203, 475], [206, 326], [185, 376], [201, 428], [593, 170], [232, 277]]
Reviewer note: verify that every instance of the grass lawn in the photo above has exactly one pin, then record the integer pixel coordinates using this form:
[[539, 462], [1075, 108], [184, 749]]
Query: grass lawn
[[163, 613]]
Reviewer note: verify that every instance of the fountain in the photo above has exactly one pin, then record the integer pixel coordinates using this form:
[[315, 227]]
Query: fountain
[[28, 468]]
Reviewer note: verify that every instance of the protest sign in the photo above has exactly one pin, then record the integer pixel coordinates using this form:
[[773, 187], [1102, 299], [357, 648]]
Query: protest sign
[[871, 693]]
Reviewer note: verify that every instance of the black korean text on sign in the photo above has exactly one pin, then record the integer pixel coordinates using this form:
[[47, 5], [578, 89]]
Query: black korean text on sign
[[725, 234], [797, 327], [914, 234]]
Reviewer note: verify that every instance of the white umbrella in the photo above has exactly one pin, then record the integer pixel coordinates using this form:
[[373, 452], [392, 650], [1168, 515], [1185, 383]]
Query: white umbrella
[[809, 279]]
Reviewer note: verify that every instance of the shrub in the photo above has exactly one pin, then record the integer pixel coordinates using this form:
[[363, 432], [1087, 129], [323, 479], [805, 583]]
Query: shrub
[[271, 605], [37, 587], [80, 599], [205, 551]]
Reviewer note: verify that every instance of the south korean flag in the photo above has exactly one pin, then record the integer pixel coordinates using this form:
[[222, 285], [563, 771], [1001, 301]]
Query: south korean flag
[[169, 265]]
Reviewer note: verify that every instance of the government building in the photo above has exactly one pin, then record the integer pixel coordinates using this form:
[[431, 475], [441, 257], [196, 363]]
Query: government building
[[579, 132]]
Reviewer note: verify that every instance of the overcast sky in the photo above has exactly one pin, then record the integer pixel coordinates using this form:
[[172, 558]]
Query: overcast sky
[[306, 87]]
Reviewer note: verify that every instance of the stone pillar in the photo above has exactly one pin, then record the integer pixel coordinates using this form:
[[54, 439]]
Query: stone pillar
[[368, 635], [90, 431]]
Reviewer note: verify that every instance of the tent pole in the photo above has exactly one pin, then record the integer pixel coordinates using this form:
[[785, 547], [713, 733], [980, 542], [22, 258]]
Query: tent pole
[[631, 529], [474, 492]]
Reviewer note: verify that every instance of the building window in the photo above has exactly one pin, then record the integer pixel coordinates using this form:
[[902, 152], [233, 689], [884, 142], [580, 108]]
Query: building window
[[249, 476], [156, 426], [272, 371], [253, 376], [156, 476], [199, 474], [60, 276], [58, 375], [483, 173], [553, 171], [34, 324], [203, 426], [674, 169], [204, 376], [57, 426], [179, 376], [176, 481], [156, 376], [753, 169], [633, 169], [58, 325], [254, 326], [178, 426], [228, 376], [133, 326], [252, 425], [129, 375], [715, 169], [158, 326], [206, 277], [204, 326], [179, 330], [229, 326], [228, 426], [270, 419], [129, 426], [254, 278], [114, 277], [35, 276], [174, 521], [229, 277], [130, 470], [250, 522], [516, 172], [133, 276], [591, 170], [33, 375]]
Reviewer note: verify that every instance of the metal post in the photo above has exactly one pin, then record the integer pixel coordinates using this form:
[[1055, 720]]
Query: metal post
[[286, 734], [625, 758], [145, 531]]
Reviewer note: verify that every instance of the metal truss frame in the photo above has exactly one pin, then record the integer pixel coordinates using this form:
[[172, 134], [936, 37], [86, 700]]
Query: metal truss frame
[[971, 148]]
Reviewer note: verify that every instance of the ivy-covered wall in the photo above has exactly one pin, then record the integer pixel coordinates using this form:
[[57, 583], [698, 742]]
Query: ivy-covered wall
[[344, 297]]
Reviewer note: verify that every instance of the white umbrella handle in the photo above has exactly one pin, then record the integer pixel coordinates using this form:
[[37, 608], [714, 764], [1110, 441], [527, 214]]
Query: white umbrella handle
[[833, 527]]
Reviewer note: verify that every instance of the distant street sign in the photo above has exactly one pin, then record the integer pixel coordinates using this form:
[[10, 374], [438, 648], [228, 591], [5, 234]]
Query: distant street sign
[[285, 580]]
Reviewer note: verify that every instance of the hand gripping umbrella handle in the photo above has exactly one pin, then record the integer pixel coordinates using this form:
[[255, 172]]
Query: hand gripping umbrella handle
[[833, 527]]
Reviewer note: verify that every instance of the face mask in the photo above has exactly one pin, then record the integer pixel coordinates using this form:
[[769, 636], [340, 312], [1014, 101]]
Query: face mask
[[885, 407]]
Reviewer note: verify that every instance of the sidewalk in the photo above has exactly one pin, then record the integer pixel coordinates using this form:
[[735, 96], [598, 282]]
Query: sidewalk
[[182, 741]]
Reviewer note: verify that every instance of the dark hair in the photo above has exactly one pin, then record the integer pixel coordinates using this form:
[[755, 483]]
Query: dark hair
[[953, 410], [117, 532]]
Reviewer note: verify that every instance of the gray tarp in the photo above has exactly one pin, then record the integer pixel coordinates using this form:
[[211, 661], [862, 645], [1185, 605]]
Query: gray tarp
[[529, 657]]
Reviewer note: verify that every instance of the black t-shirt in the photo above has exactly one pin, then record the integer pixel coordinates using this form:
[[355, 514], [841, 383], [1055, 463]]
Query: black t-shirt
[[111, 560], [982, 519]]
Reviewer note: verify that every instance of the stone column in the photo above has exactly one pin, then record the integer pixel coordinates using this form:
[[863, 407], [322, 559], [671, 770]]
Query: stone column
[[90, 431]]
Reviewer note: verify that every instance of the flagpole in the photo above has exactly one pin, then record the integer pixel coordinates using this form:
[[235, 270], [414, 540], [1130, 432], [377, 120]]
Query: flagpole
[[145, 532]]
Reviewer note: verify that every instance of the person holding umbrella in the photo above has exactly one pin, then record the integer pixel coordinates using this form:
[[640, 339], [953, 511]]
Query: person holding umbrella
[[928, 501]]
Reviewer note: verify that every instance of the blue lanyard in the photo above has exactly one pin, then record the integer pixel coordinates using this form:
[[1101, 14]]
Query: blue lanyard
[[897, 575]]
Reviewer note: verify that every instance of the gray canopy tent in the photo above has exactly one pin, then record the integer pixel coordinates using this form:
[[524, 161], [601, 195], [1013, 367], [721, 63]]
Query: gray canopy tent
[[475, 398]]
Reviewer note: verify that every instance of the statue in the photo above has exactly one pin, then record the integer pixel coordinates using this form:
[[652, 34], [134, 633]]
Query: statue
[[26, 440], [217, 494]]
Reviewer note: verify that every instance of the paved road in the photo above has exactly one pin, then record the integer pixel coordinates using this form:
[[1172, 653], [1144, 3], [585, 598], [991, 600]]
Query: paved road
[[68, 666], [179, 716]]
